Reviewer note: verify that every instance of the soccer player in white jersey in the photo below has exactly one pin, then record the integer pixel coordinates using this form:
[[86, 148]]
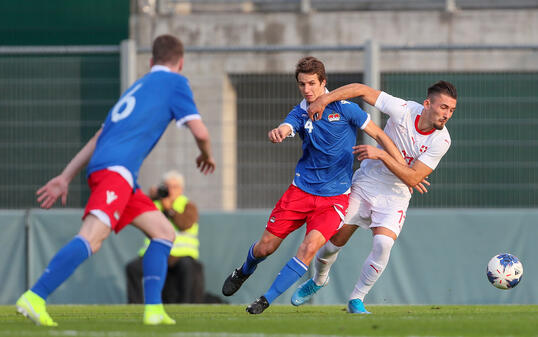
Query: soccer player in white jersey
[[319, 192], [380, 192], [114, 156]]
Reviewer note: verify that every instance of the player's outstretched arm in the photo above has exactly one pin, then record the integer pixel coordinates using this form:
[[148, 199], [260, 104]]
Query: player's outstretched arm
[[367, 94], [204, 161], [277, 135], [59, 186]]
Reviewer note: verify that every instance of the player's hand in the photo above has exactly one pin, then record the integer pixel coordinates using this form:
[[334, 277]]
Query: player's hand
[[56, 187], [276, 135], [205, 164], [316, 108], [421, 187], [367, 152]]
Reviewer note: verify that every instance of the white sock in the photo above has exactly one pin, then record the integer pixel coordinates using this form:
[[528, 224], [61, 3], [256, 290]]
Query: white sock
[[323, 261], [373, 266]]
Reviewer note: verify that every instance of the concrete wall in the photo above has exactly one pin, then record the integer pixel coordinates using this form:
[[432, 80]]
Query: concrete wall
[[406, 28], [439, 258], [208, 72]]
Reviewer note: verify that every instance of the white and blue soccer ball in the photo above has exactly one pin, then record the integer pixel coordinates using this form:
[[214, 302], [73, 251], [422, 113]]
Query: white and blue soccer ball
[[504, 271]]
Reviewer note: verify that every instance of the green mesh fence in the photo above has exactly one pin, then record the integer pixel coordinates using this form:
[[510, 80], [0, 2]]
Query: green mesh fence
[[263, 101], [49, 107], [493, 160], [492, 163]]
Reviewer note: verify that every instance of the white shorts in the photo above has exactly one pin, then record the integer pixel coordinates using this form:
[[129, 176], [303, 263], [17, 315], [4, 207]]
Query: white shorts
[[380, 209]]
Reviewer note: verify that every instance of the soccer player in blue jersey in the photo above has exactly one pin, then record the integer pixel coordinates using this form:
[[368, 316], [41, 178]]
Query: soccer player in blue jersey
[[319, 192], [114, 156]]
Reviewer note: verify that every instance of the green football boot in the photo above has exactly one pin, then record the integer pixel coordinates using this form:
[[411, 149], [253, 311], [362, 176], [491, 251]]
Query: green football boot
[[154, 314], [32, 306]]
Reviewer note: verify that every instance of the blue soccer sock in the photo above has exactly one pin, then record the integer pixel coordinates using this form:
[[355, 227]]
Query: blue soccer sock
[[252, 262], [62, 265], [292, 271], [155, 266]]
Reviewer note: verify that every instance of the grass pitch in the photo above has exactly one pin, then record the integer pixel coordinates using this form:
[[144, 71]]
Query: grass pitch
[[280, 320]]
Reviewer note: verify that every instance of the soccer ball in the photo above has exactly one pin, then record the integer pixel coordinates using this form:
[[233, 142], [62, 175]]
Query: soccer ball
[[504, 271]]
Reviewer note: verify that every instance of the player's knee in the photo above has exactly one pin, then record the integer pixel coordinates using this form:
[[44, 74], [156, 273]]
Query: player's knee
[[382, 245]]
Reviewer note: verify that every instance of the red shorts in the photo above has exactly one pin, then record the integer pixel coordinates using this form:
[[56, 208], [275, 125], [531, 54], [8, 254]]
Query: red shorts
[[112, 200], [295, 207]]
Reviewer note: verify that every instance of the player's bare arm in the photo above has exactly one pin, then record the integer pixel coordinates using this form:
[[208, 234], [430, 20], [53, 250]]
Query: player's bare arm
[[367, 94], [372, 152], [277, 135], [382, 139], [204, 162], [59, 186], [411, 176]]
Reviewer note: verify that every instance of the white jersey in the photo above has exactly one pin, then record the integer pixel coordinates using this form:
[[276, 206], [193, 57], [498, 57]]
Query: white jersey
[[402, 127]]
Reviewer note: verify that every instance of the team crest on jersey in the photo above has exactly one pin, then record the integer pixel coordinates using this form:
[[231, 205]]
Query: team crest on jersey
[[423, 149], [333, 117]]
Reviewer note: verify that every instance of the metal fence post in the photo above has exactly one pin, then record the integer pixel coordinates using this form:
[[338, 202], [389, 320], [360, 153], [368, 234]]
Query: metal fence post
[[127, 64], [28, 247], [372, 78], [306, 6], [229, 146]]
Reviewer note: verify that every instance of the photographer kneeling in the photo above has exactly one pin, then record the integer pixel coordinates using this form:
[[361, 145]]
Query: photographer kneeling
[[185, 278]]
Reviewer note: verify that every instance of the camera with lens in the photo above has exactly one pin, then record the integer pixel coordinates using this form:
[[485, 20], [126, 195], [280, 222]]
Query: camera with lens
[[162, 191]]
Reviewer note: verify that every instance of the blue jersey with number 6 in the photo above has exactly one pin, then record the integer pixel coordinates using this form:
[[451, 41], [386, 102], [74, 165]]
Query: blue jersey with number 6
[[326, 167], [140, 117]]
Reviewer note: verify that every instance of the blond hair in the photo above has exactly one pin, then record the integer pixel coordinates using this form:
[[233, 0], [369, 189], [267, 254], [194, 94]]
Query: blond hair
[[173, 174]]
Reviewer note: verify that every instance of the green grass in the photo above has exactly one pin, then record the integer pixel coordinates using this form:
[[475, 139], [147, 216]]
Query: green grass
[[232, 320]]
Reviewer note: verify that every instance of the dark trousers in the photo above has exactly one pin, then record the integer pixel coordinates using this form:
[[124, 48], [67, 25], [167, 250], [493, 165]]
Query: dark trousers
[[184, 282]]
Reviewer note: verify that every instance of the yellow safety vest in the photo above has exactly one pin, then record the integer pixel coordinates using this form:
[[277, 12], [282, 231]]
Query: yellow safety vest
[[186, 243]]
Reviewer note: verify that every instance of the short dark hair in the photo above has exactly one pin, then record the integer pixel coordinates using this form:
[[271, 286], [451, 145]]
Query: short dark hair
[[310, 65], [443, 87], [167, 49]]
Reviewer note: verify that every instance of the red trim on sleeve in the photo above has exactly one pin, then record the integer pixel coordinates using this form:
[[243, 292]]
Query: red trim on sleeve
[[421, 132]]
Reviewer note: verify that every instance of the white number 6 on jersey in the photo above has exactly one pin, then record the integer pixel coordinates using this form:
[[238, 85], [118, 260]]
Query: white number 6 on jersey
[[130, 102]]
